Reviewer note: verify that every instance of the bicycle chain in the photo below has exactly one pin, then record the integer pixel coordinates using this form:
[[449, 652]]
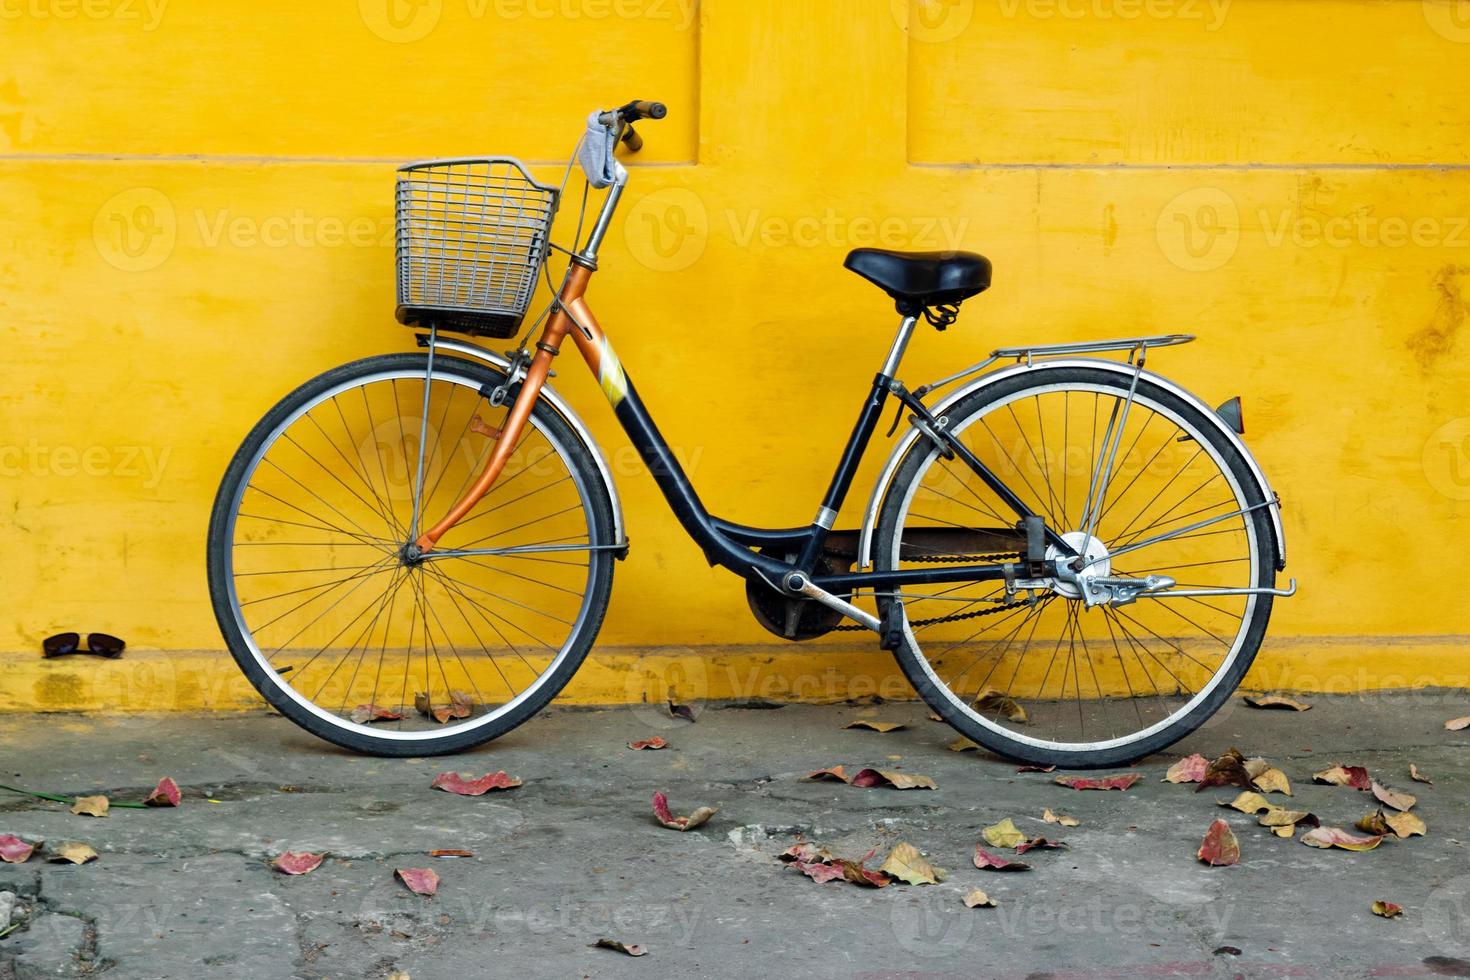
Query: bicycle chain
[[953, 617]]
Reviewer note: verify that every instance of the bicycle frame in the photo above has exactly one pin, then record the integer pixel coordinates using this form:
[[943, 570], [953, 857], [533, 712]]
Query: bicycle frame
[[725, 543]]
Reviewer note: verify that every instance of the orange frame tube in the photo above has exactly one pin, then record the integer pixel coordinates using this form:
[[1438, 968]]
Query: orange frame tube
[[590, 340]]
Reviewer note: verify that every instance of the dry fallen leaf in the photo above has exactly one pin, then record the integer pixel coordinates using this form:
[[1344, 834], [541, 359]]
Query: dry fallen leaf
[[1388, 910], [1060, 818], [1457, 724], [451, 852], [91, 806], [906, 864], [1272, 780], [1278, 701], [1336, 837], [1001, 704], [619, 946], [819, 865], [876, 726], [420, 881], [667, 818], [868, 778], [367, 714], [677, 710], [1228, 770], [1032, 768], [978, 899], [648, 744], [1282, 822], [459, 705], [1040, 843], [1190, 769], [1004, 834], [991, 862], [1220, 849], [167, 794], [1417, 775], [453, 782], [1354, 776], [71, 852], [1398, 800], [13, 850], [297, 862], [962, 745], [1121, 781], [835, 774], [1405, 825]]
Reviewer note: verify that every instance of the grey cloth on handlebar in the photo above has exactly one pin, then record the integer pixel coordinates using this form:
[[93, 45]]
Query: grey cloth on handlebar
[[596, 153]]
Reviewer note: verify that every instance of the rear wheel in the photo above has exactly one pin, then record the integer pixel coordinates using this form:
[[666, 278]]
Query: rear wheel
[[1052, 681], [383, 653]]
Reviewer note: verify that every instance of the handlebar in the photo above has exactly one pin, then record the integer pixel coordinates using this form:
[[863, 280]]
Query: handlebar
[[621, 120]]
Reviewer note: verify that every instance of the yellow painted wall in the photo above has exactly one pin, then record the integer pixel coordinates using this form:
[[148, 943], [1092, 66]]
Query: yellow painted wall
[[195, 216]]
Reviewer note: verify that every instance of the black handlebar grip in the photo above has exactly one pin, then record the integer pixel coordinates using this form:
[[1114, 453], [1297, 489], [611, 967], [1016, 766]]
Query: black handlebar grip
[[632, 140], [634, 111]]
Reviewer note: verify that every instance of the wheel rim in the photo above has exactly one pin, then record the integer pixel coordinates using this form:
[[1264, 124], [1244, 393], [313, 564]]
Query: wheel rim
[[1086, 680], [401, 651]]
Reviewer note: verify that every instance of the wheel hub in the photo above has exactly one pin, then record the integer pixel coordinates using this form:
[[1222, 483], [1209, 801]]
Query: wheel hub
[[1094, 556]]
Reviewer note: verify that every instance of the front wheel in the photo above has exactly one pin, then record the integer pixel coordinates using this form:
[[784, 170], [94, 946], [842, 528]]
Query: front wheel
[[357, 640], [1053, 681]]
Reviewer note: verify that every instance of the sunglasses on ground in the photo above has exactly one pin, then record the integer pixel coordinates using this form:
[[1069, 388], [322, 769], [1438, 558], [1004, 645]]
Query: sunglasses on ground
[[98, 645]]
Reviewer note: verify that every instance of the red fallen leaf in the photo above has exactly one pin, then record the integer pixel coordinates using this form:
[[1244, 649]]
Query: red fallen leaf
[[1190, 769], [836, 774], [167, 794], [1354, 776], [1220, 849], [985, 860], [666, 817], [297, 862], [1387, 910], [420, 881], [13, 850], [460, 705], [619, 946], [819, 865], [451, 852], [821, 873], [1040, 843], [453, 782], [1228, 770], [1121, 781], [869, 778], [648, 744], [366, 714], [1036, 769]]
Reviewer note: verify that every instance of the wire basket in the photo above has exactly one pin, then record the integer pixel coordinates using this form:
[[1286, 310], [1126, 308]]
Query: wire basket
[[472, 235]]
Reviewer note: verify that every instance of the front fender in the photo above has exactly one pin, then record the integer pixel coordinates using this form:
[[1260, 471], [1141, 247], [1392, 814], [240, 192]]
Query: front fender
[[559, 404], [890, 469]]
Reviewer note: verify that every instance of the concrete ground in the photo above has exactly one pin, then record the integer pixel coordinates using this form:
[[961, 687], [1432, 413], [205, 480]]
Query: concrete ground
[[574, 855]]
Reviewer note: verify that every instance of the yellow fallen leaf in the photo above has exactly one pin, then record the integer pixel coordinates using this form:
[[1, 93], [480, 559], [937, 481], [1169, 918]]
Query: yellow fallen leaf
[[91, 806], [1335, 837], [1062, 819], [905, 863], [1456, 724], [962, 745], [978, 899], [877, 726], [1272, 780], [1254, 767], [1389, 910], [71, 851], [1249, 802], [1406, 825], [1286, 830], [1417, 775], [1278, 701], [1397, 799], [1004, 834], [990, 700], [868, 778]]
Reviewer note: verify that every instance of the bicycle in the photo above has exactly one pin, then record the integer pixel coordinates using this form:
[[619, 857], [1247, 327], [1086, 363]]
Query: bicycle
[[1072, 558]]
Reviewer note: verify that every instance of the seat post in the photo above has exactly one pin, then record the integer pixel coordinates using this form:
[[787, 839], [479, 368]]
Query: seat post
[[900, 344]]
